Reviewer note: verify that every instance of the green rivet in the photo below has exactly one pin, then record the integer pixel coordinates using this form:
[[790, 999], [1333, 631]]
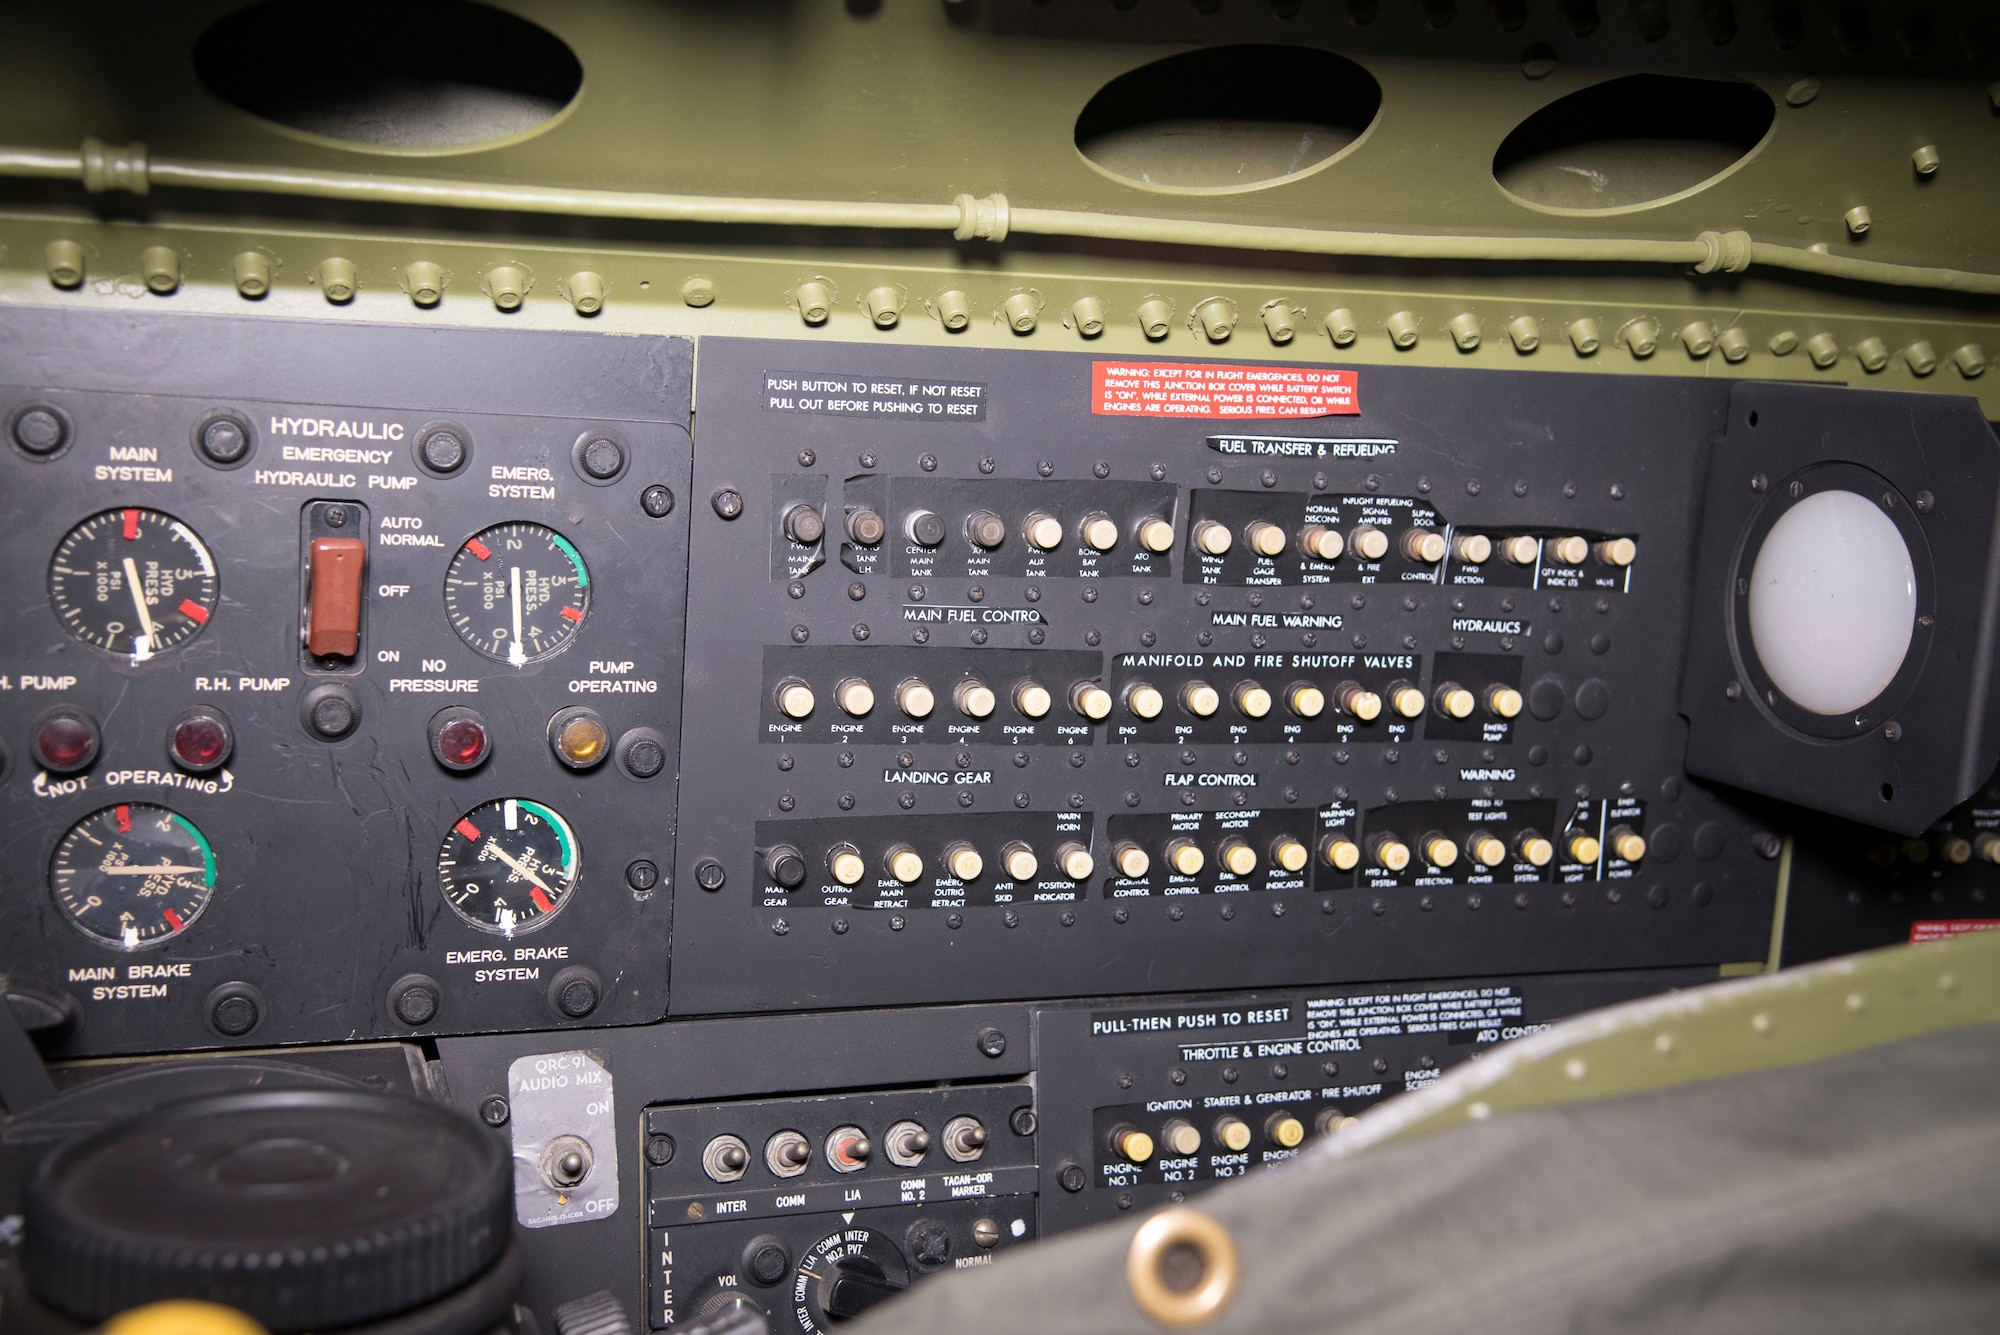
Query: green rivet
[[585, 290], [1640, 337], [1926, 160], [1156, 317], [1858, 219], [1464, 329], [1872, 353], [426, 283], [1921, 357], [253, 273], [161, 267], [1824, 349], [507, 284], [815, 300], [1698, 337], [1341, 326], [696, 291], [1525, 332], [1735, 344], [1216, 318], [1087, 316], [883, 306], [1801, 92], [1970, 361], [953, 309], [1402, 327], [1278, 322], [1019, 310], [337, 280], [1584, 336], [1784, 343], [65, 263]]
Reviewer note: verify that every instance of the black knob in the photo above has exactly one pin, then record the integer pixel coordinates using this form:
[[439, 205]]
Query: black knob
[[866, 527], [766, 1260], [856, 1285], [786, 865], [926, 528], [223, 440], [442, 450], [600, 457], [574, 992], [305, 1209], [930, 1244], [985, 529], [804, 526]]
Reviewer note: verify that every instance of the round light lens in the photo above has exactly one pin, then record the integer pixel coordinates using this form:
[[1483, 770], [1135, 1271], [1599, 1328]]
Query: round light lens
[[1833, 602]]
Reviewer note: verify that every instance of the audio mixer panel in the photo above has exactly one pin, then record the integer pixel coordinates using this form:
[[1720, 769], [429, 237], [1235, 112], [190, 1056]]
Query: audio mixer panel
[[341, 690], [1053, 699]]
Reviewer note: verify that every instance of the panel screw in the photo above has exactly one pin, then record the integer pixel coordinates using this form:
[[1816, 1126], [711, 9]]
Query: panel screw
[[657, 501], [660, 1150], [1023, 1121], [709, 875], [727, 503], [494, 1112], [1073, 1178]]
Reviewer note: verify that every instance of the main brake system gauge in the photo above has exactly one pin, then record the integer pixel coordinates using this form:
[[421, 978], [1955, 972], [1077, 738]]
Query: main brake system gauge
[[133, 875], [517, 592], [508, 866], [133, 582]]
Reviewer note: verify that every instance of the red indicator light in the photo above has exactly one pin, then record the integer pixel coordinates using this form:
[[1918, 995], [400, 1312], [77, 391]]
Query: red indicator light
[[459, 738], [200, 740], [66, 741]]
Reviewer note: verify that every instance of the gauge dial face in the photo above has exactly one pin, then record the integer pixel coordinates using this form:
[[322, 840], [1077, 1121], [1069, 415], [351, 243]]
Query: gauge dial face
[[508, 867], [133, 875], [517, 592], [134, 582]]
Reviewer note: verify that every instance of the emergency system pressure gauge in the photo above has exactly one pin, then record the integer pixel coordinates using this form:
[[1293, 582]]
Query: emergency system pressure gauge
[[133, 875], [517, 592], [508, 866], [133, 581]]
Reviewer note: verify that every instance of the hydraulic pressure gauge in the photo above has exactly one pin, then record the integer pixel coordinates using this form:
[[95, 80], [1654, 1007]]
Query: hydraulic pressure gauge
[[517, 592], [508, 866], [133, 875], [133, 582]]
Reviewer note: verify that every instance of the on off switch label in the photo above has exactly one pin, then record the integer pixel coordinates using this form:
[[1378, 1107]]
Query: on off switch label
[[1193, 389]]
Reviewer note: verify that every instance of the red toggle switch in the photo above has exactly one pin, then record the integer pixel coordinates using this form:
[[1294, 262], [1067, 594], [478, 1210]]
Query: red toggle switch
[[333, 622]]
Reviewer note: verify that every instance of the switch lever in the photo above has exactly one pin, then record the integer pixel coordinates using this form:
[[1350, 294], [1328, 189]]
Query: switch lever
[[333, 618]]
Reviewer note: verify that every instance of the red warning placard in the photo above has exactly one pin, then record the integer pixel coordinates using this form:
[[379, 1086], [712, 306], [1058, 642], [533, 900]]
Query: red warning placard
[[1938, 929], [1191, 389]]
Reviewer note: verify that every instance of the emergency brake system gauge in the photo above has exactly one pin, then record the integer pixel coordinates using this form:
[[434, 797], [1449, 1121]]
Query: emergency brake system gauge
[[508, 866], [133, 582], [133, 875], [517, 592]]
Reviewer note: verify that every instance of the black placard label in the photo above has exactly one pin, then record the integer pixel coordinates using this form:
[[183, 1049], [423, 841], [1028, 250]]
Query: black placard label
[[878, 398]]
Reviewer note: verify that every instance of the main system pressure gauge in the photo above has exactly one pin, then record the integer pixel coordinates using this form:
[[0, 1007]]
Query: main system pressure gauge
[[508, 866], [133, 582], [133, 875], [517, 592]]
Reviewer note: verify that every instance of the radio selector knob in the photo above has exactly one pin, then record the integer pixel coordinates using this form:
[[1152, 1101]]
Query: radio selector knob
[[1020, 861], [1340, 852], [1131, 1144], [1075, 861], [1144, 701], [1522, 551], [1628, 845], [1098, 532], [1486, 850], [844, 863], [1504, 701], [1358, 701], [904, 863], [1570, 551], [1156, 534], [865, 528], [1180, 1138], [1211, 538], [786, 865], [854, 696], [804, 525], [1265, 539], [985, 530], [1032, 699], [964, 861], [914, 698], [1438, 850], [1321, 542], [1616, 551], [1090, 700], [1252, 700], [1131, 860], [1406, 699], [1475, 549], [1584, 848], [795, 698], [1200, 699], [1305, 699], [1424, 545], [1236, 857], [1043, 531], [1534, 849], [925, 527], [974, 698], [1233, 1134], [1454, 701], [1369, 543], [1286, 1131], [1289, 854], [1389, 852], [1185, 857]]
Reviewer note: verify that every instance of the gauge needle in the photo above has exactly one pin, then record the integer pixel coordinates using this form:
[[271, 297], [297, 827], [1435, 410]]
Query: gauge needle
[[503, 855], [164, 869], [516, 654], [145, 645]]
